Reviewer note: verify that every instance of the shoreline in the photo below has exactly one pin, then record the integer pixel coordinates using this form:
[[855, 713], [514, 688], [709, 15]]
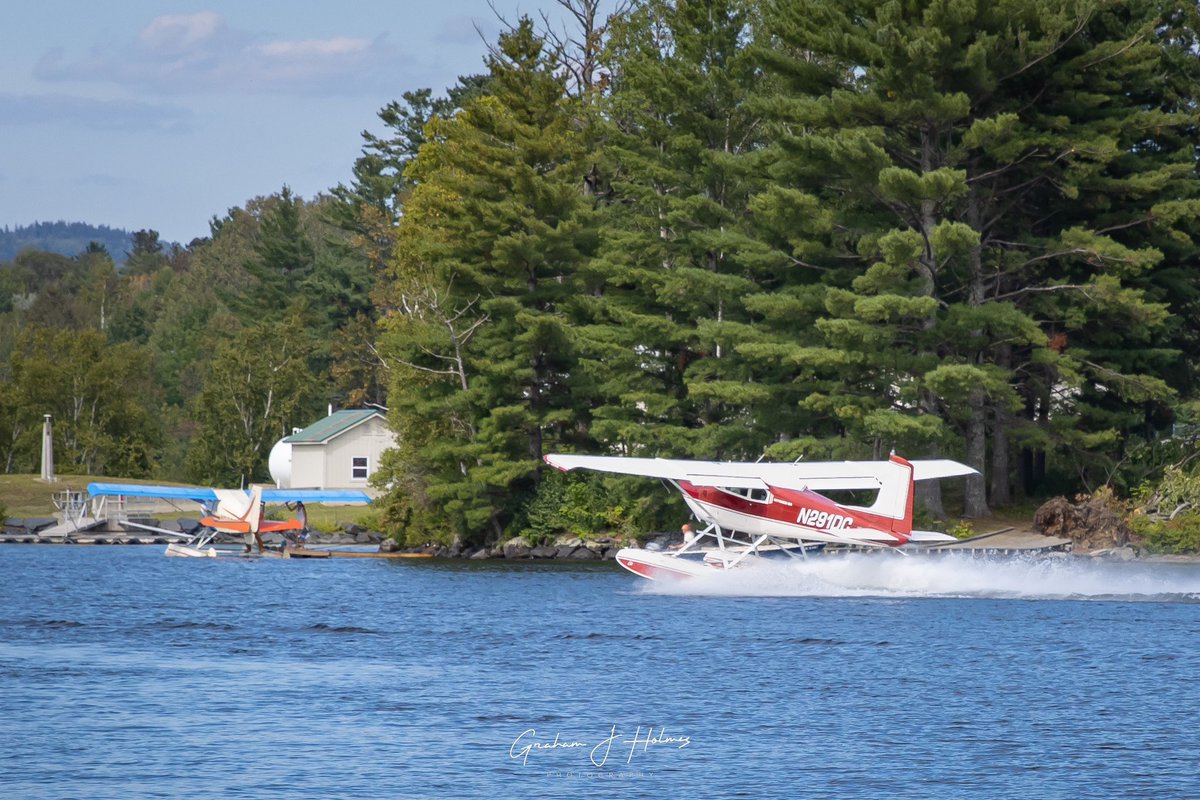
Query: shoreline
[[1005, 542]]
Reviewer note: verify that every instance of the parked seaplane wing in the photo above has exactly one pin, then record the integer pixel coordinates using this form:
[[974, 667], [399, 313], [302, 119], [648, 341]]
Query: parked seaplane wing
[[816, 475], [197, 493], [202, 494]]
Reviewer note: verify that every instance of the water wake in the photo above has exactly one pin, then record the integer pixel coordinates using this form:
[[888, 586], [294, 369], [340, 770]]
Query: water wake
[[892, 575]]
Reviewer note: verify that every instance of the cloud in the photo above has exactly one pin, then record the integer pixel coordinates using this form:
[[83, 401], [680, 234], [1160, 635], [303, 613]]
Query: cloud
[[199, 53], [463, 30], [180, 32], [89, 113]]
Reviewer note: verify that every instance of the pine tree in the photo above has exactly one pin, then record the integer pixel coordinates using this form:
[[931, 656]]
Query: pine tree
[[487, 250], [951, 144], [666, 294], [283, 260]]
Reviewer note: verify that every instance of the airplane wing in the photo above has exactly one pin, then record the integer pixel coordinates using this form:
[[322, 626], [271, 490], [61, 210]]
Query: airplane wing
[[205, 495], [815, 475], [315, 496], [197, 493]]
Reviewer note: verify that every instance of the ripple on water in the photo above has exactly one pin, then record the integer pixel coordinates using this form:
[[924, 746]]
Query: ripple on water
[[128, 674]]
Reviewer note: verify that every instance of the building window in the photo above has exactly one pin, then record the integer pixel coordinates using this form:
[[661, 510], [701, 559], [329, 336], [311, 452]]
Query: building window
[[358, 468]]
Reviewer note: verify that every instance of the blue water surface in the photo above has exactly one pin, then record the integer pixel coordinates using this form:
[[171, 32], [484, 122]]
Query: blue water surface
[[124, 674]]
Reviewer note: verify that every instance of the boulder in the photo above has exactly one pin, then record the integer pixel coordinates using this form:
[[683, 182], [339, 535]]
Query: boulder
[[1115, 553], [544, 551], [584, 554], [480, 554], [352, 528], [568, 540], [565, 550], [389, 546], [516, 547]]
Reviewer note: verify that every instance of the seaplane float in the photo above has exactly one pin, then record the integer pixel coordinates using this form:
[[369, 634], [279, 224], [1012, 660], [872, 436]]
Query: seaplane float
[[226, 513], [754, 510]]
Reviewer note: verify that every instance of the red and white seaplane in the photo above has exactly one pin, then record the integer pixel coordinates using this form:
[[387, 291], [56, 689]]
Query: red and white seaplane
[[756, 509]]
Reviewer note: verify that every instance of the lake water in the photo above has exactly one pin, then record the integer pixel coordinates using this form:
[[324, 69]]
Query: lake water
[[126, 674]]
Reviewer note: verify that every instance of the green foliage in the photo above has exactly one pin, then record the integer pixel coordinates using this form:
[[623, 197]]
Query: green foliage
[[1180, 535], [801, 229], [100, 397], [482, 349], [256, 389], [963, 529], [1166, 513], [569, 504]]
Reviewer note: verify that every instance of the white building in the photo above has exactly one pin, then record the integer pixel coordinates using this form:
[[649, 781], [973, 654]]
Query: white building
[[338, 452]]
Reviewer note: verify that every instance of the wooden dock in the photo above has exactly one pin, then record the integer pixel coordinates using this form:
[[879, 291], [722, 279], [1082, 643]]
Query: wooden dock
[[304, 552], [1006, 541]]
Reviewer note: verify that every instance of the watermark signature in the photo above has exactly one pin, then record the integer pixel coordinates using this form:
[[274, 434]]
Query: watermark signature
[[599, 751]]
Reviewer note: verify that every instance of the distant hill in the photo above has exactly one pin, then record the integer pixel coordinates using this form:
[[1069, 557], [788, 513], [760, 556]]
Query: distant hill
[[64, 238]]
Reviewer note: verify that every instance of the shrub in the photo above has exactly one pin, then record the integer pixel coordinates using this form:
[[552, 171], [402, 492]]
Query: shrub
[[1178, 535], [569, 504], [1167, 516]]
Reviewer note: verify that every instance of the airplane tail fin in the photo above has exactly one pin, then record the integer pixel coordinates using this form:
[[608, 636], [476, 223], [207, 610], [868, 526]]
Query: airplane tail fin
[[903, 525], [893, 507], [254, 515]]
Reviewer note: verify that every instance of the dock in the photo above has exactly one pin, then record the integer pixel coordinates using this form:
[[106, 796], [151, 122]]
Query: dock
[[1004, 542]]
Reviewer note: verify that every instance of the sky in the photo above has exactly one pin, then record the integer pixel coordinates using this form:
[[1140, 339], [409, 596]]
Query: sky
[[161, 115]]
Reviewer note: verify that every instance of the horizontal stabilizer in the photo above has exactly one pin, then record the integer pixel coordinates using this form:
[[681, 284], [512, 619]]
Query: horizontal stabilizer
[[931, 536], [940, 468]]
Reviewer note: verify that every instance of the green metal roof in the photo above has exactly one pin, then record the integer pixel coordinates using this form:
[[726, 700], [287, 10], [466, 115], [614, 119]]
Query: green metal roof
[[335, 424]]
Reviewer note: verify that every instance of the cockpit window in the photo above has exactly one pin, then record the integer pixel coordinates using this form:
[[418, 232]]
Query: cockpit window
[[754, 495]]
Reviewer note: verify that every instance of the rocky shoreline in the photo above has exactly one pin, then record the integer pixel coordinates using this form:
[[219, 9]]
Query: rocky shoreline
[[566, 548], [32, 530], [36, 530], [1093, 531]]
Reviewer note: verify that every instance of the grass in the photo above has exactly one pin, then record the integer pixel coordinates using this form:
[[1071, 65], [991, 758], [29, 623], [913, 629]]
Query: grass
[[28, 496]]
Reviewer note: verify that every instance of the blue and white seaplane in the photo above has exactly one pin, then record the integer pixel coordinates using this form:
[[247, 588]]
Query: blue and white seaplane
[[229, 512]]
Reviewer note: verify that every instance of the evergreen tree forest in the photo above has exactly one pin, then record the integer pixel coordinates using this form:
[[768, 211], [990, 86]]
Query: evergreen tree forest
[[722, 229]]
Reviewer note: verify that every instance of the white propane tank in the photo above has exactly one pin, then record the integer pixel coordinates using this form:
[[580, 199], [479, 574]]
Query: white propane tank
[[280, 464]]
